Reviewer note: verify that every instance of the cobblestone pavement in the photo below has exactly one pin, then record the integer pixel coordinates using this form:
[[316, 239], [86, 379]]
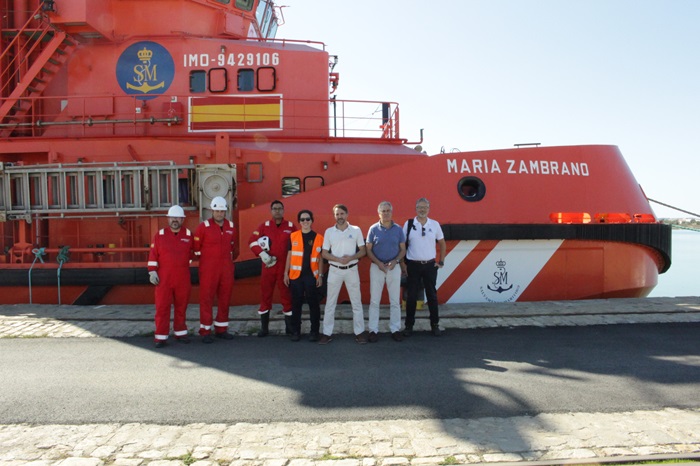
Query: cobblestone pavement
[[53, 321], [557, 438]]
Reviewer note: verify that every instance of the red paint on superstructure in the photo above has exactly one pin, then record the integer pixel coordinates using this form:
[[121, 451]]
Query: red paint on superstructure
[[112, 111]]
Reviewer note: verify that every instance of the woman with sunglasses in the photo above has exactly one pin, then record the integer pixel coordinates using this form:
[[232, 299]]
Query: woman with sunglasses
[[303, 274]]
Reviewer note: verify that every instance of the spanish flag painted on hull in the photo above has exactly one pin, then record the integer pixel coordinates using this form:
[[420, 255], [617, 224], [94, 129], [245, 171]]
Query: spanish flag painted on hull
[[235, 113]]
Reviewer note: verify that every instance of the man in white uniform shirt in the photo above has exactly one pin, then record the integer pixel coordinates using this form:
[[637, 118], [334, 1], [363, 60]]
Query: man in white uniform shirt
[[343, 246], [421, 264]]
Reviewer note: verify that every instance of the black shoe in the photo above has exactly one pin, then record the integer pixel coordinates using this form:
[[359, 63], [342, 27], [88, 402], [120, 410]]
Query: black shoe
[[264, 324], [396, 336], [295, 336], [161, 343], [208, 339], [184, 339], [313, 337], [408, 331], [435, 329], [224, 336], [288, 325]]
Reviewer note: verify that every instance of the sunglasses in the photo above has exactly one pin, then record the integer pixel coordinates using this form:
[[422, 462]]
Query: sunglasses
[[305, 219], [422, 232]]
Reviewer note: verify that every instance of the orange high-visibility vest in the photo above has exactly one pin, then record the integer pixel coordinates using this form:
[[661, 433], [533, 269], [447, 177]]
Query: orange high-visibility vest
[[297, 254]]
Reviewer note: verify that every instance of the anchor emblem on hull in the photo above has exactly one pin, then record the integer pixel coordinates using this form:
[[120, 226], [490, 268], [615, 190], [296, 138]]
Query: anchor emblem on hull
[[145, 73], [500, 278], [504, 291], [145, 69]]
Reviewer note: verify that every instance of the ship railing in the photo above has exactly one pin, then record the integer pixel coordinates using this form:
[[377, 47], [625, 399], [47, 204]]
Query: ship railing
[[17, 51], [363, 118], [79, 257], [109, 115]]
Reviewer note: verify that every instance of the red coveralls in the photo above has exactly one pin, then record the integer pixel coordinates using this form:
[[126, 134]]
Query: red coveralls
[[279, 243], [170, 256], [217, 248]]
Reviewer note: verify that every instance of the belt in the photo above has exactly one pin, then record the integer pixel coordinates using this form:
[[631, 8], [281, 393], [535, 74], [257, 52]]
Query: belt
[[344, 267], [421, 262]]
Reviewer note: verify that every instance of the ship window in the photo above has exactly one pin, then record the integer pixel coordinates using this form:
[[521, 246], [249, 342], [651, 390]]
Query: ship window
[[291, 186], [265, 24], [198, 81], [245, 5], [313, 182], [246, 80], [471, 189], [260, 11], [267, 78], [218, 80], [273, 29], [254, 172], [225, 2]]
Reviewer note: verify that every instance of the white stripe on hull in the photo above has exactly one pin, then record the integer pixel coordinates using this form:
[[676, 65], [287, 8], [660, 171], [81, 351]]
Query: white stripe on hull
[[504, 274]]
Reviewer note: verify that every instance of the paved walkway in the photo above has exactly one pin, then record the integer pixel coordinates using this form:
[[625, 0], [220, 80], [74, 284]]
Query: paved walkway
[[553, 438], [27, 320]]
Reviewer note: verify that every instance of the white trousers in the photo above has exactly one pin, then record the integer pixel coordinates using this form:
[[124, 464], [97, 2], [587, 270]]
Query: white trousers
[[377, 280], [392, 279], [351, 279]]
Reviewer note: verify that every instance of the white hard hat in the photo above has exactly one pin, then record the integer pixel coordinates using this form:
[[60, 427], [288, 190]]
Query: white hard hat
[[264, 243], [219, 203], [176, 211]]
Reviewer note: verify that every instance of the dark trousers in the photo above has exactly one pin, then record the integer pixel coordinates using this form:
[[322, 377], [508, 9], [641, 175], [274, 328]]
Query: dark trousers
[[302, 288], [421, 273]]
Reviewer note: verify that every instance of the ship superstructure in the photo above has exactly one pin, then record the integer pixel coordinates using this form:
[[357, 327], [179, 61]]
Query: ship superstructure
[[108, 118]]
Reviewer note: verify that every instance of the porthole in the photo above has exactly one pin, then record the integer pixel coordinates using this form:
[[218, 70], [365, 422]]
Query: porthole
[[471, 189]]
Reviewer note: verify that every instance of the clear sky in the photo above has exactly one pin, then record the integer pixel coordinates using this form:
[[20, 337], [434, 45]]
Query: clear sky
[[487, 74]]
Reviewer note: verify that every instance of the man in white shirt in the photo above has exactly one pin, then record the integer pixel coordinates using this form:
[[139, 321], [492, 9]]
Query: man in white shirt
[[343, 246], [421, 264]]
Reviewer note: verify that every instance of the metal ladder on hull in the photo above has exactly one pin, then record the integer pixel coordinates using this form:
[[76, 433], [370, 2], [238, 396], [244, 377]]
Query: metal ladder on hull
[[68, 190]]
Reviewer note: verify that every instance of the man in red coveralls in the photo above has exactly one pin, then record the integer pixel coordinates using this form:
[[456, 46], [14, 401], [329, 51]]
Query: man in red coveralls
[[215, 244], [270, 242], [169, 271]]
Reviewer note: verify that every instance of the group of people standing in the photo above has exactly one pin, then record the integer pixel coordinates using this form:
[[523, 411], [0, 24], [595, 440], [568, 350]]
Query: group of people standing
[[294, 260]]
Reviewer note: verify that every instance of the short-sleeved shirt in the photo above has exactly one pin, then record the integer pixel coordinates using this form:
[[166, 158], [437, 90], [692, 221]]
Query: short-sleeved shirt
[[422, 247], [385, 241], [343, 242]]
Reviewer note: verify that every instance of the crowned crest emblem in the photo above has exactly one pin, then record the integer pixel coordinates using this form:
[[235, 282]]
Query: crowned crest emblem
[[500, 281], [145, 69]]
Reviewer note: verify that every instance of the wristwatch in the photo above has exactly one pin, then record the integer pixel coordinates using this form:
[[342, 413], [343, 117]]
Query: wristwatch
[[441, 263]]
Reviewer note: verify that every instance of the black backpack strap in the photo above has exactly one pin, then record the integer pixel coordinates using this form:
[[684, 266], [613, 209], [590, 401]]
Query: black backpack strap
[[408, 231]]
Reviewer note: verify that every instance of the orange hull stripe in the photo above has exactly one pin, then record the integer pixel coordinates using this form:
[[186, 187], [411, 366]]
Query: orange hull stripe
[[465, 269]]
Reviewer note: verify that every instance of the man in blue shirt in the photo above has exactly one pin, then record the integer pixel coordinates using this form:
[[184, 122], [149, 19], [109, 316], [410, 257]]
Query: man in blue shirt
[[386, 246]]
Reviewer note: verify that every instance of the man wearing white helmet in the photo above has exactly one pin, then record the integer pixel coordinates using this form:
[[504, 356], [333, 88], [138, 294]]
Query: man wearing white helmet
[[169, 270], [270, 242], [216, 244]]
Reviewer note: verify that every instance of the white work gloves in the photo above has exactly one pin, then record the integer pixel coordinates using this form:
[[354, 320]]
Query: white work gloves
[[267, 259], [153, 277]]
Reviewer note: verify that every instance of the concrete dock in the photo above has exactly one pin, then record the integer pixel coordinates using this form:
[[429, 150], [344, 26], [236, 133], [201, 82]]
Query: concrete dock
[[545, 438]]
